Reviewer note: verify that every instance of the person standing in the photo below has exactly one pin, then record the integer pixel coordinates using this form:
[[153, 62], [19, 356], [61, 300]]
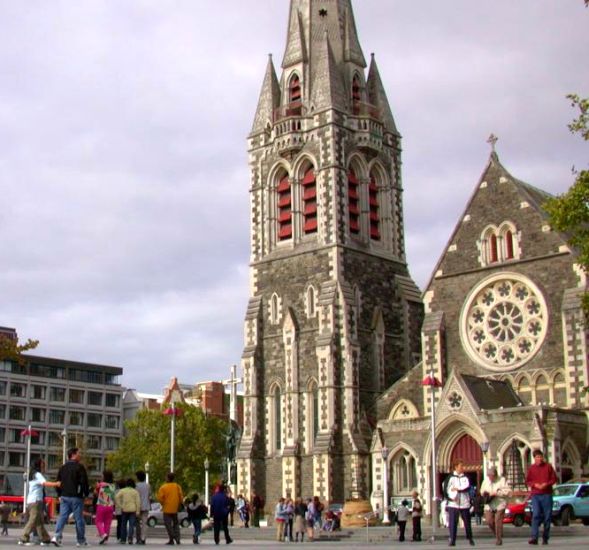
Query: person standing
[[129, 502], [231, 507], [36, 504], [257, 508], [4, 515], [220, 513], [72, 491], [280, 519], [144, 491], [402, 517], [171, 497], [416, 512], [197, 511], [105, 505], [540, 479], [458, 503], [494, 494], [300, 511]]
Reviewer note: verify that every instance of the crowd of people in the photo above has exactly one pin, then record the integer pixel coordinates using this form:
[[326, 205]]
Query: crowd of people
[[295, 518]]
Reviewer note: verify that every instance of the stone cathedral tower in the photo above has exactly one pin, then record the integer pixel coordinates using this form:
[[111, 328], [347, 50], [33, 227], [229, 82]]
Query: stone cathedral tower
[[334, 316]]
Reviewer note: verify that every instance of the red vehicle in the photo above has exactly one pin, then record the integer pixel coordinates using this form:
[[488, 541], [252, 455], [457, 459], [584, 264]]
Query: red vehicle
[[516, 511], [15, 503]]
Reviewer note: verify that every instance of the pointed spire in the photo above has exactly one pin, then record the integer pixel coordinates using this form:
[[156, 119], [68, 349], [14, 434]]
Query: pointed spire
[[296, 51], [328, 86], [269, 99], [352, 48], [377, 96]]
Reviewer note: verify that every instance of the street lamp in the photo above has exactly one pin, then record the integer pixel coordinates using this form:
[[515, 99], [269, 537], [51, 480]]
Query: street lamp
[[207, 465], [484, 448], [431, 381], [385, 481], [147, 472], [173, 412], [28, 433], [64, 445]]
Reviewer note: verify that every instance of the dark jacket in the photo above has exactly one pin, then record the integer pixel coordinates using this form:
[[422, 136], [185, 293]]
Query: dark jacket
[[219, 506], [74, 480]]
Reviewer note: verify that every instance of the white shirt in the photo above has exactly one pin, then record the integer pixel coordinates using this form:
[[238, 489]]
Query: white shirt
[[457, 490]]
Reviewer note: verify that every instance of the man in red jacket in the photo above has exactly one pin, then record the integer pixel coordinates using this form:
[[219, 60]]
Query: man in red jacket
[[540, 479]]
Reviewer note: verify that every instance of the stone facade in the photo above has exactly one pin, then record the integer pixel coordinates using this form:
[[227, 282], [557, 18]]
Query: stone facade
[[333, 318], [503, 333]]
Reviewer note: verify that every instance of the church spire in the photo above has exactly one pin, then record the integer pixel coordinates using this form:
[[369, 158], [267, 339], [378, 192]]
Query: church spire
[[269, 99], [378, 97], [328, 85]]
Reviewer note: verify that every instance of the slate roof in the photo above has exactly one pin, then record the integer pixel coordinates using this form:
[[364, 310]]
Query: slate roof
[[491, 394]]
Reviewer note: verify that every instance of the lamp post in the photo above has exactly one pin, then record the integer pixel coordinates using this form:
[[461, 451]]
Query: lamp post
[[431, 381], [64, 445], [28, 433], [385, 481], [207, 465], [147, 472], [173, 412], [484, 448]]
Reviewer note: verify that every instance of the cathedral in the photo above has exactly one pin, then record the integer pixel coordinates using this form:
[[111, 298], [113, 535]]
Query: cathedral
[[339, 341]]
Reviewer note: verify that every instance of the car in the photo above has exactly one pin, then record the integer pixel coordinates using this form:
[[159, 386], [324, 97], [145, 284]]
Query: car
[[515, 512], [156, 517], [570, 501]]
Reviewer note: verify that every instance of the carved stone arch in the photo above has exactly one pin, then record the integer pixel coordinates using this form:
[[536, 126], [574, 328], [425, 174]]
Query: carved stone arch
[[358, 163], [274, 415], [302, 163], [403, 410], [450, 431], [541, 387], [310, 301], [513, 456], [275, 309], [404, 464], [571, 465], [290, 81], [312, 408], [278, 170], [379, 172]]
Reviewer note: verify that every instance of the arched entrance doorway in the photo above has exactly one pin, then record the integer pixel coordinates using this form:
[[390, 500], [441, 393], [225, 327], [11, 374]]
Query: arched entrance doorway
[[462, 446]]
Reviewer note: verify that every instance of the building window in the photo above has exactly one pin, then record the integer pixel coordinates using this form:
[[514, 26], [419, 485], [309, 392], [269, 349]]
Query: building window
[[405, 473], [111, 443], [294, 96], [14, 435], [517, 458], [353, 202], [16, 459], [93, 441], [53, 461], [2, 437], [274, 309], [499, 244], [38, 392], [2, 387], [76, 418], [94, 420], [542, 391], [95, 398], [309, 202], [311, 302], [284, 209], [56, 417], [18, 390], [2, 411], [277, 419], [112, 422], [54, 439], [38, 415], [47, 371], [77, 396], [525, 391], [356, 95], [17, 413], [374, 210], [112, 400], [57, 394], [560, 392]]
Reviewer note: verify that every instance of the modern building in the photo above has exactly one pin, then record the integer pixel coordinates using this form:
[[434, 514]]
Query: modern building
[[67, 403], [334, 316]]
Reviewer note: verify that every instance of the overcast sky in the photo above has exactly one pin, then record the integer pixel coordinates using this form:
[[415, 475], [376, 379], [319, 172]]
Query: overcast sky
[[124, 228]]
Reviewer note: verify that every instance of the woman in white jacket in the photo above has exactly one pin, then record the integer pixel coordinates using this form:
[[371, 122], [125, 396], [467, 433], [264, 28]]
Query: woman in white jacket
[[495, 492], [458, 502]]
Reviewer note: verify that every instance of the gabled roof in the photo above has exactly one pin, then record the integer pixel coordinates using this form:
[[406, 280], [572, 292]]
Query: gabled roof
[[491, 394]]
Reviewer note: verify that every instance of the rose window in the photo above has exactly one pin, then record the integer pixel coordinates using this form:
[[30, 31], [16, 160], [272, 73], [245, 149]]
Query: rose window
[[504, 322], [454, 400]]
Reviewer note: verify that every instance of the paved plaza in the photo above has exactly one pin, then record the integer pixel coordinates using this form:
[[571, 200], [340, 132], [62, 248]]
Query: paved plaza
[[575, 537]]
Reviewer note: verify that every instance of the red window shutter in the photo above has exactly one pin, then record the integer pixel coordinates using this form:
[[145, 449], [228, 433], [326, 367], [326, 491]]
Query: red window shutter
[[285, 232], [311, 225], [509, 245], [284, 200], [493, 248], [283, 185], [309, 202], [374, 213]]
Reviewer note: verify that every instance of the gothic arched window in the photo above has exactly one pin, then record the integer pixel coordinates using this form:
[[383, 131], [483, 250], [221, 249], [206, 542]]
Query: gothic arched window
[[274, 309], [311, 302], [560, 392], [277, 419], [374, 209], [499, 245], [356, 95], [353, 202], [309, 202], [525, 391], [284, 197], [542, 390], [294, 96]]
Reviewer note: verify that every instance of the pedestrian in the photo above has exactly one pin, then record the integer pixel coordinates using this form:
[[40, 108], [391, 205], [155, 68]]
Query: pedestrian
[[280, 518], [4, 515], [540, 478], [144, 491], [494, 494], [243, 510], [288, 520], [170, 496], [105, 505], [310, 519], [36, 504], [120, 484], [402, 517], [458, 502], [231, 507], [220, 513], [416, 512], [73, 489], [318, 509], [257, 509], [129, 502], [300, 510], [197, 511]]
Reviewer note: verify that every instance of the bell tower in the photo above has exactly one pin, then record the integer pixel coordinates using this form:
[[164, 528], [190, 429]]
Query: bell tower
[[334, 316]]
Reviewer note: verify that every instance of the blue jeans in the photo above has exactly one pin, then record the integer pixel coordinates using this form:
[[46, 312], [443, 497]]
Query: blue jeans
[[197, 524], [541, 513], [453, 516], [67, 506], [128, 519]]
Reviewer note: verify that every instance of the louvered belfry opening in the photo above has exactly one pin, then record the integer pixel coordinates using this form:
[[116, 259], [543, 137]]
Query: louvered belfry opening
[[353, 203], [310, 202], [374, 210], [284, 209]]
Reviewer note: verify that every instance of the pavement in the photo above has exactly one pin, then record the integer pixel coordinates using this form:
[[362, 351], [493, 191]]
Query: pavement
[[574, 537]]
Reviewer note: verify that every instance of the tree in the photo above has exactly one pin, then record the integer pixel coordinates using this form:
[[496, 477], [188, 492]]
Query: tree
[[569, 212], [11, 350], [148, 440]]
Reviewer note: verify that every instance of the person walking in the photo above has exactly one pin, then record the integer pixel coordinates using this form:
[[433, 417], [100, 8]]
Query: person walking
[[220, 513], [105, 505], [280, 519], [4, 515], [310, 519], [257, 509], [494, 494], [129, 502], [540, 479], [144, 491], [416, 513], [120, 484], [72, 491], [36, 504], [402, 517], [197, 511], [458, 503], [170, 496], [300, 511]]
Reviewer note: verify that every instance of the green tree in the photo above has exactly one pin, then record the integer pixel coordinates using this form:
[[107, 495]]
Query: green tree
[[569, 212], [148, 440], [11, 350]]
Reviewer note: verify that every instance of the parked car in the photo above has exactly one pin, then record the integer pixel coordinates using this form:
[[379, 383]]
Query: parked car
[[570, 501], [156, 517], [515, 512]]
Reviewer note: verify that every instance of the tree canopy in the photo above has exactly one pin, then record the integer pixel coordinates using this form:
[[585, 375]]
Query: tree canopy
[[11, 350], [147, 439]]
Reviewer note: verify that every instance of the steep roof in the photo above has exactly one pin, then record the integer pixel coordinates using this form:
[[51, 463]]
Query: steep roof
[[491, 394]]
